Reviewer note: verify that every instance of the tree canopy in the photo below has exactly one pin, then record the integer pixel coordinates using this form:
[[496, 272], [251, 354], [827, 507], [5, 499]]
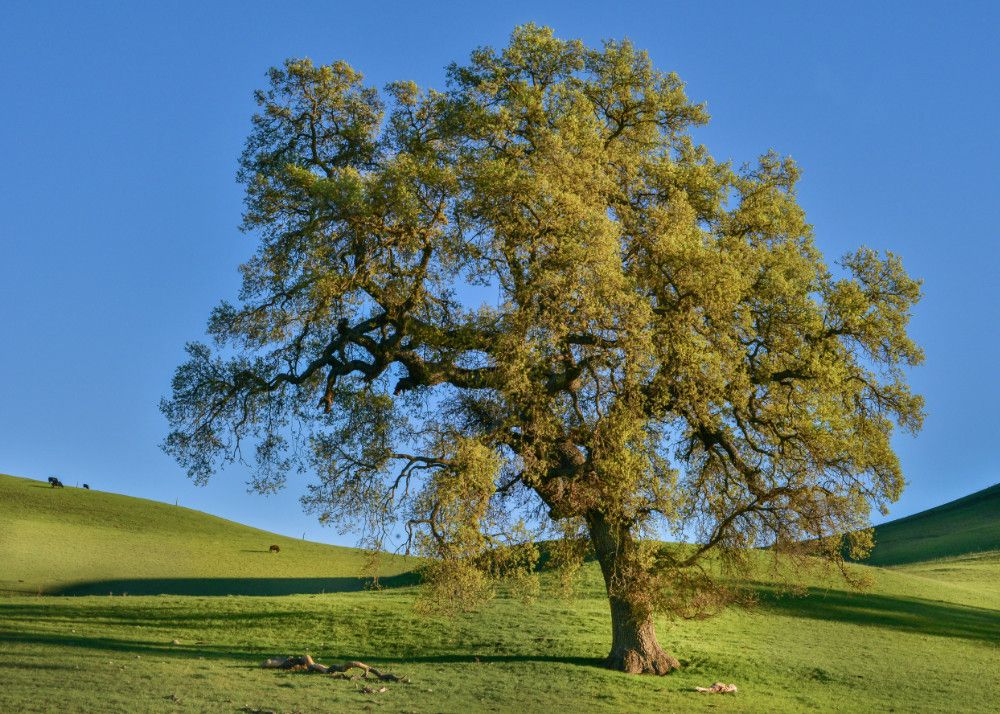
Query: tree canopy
[[532, 306]]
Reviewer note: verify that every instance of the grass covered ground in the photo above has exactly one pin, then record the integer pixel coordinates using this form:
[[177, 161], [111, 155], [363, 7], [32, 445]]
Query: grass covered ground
[[899, 648], [72, 541], [926, 637]]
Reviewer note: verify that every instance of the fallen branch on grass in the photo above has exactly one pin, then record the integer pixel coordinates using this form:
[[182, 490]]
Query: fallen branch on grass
[[718, 688], [306, 663]]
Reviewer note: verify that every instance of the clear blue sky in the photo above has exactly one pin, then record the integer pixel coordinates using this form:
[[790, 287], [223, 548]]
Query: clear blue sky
[[120, 125]]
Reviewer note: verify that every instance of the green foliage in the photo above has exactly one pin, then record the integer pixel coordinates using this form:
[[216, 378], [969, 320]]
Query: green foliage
[[668, 348]]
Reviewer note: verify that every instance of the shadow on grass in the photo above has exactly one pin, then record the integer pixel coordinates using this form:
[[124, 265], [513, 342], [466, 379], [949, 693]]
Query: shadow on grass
[[252, 656], [34, 665], [176, 616], [231, 586], [143, 647], [928, 617], [598, 662]]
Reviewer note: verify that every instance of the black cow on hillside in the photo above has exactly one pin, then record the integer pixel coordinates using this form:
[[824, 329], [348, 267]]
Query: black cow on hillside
[[86, 486], [54, 482]]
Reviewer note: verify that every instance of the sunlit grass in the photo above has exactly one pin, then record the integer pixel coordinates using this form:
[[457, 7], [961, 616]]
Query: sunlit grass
[[924, 637], [73, 541], [832, 651]]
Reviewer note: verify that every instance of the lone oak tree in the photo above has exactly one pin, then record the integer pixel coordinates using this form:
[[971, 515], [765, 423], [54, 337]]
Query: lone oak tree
[[533, 298]]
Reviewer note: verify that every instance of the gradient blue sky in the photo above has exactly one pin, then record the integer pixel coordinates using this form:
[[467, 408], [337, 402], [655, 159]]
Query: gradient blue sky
[[120, 125]]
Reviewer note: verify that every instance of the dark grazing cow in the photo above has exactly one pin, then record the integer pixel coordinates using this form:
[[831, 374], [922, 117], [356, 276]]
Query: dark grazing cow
[[86, 486], [275, 549], [54, 482]]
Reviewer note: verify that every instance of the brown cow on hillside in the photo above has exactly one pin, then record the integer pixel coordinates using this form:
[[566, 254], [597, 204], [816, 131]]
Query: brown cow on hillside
[[275, 549]]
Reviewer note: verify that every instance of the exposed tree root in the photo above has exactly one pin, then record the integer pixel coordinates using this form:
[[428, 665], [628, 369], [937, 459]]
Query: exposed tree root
[[635, 662], [306, 663]]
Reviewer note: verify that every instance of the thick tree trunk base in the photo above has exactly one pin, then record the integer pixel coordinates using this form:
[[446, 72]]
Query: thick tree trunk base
[[635, 662], [634, 647]]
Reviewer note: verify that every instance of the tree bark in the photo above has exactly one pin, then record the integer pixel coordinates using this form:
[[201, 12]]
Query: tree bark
[[634, 647]]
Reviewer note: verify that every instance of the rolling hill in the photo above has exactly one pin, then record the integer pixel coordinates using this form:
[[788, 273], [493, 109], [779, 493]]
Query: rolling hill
[[923, 638], [958, 528], [73, 541]]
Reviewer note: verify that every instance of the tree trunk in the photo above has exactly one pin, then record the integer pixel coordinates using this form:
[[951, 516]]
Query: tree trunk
[[634, 648]]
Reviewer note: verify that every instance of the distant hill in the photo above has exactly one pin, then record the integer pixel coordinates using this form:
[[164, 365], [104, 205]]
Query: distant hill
[[967, 525], [76, 541], [73, 541]]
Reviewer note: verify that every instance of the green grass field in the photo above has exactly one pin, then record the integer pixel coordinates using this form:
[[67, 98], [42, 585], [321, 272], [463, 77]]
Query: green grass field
[[75, 542], [925, 637], [967, 525]]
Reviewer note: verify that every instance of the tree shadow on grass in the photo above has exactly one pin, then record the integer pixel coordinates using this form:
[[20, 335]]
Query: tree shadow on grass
[[598, 662], [125, 612], [143, 647], [148, 627], [232, 586], [251, 657], [927, 617], [34, 665]]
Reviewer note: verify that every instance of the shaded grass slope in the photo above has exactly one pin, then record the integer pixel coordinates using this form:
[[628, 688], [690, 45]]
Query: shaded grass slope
[[73, 541], [967, 525]]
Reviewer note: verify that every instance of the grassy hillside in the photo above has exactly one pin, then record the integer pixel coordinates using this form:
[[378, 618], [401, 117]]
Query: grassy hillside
[[924, 638], [912, 644], [967, 525], [74, 541]]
